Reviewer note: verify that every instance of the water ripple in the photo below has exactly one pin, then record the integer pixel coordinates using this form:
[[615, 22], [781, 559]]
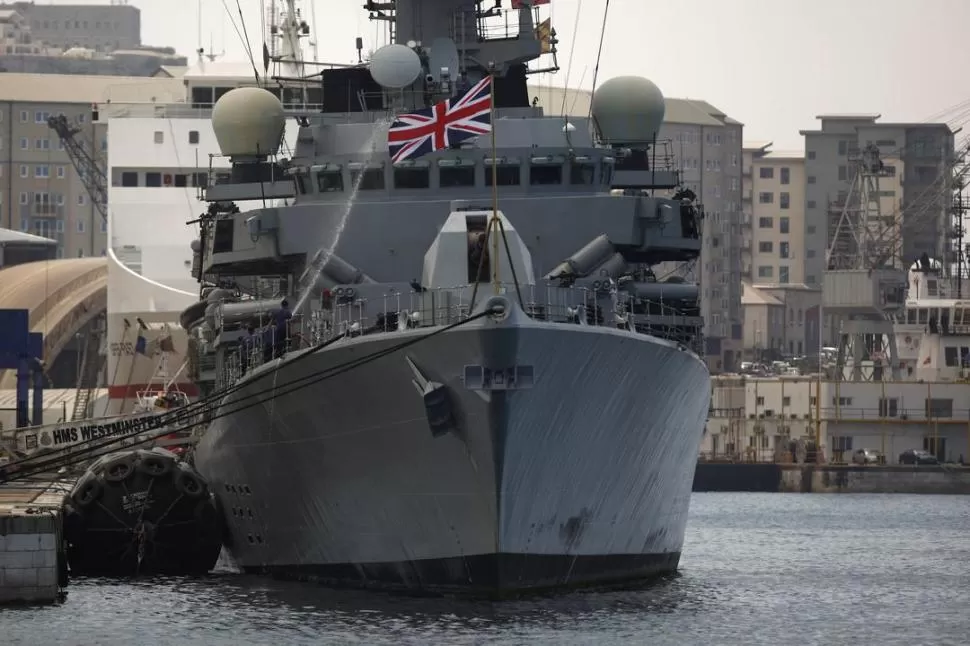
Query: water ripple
[[757, 569]]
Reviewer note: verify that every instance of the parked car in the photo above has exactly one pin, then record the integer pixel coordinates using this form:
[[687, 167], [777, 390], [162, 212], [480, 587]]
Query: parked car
[[867, 456], [916, 456]]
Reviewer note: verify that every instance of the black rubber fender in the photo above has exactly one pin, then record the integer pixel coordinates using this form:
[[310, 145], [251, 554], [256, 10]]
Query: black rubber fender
[[155, 465], [118, 469], [87, 492], [189, 484]]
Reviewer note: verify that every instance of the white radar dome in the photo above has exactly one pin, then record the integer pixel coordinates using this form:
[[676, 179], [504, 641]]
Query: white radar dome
[[248, 122], [395, 66], [628, 110]]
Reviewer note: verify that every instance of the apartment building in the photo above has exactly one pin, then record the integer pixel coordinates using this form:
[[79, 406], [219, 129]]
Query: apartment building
[[705, 145], [773, 225], [913, 184], [40, 191], [101, 27]]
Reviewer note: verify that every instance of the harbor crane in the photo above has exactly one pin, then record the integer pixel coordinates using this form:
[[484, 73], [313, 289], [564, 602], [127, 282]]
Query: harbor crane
[[88, 169]]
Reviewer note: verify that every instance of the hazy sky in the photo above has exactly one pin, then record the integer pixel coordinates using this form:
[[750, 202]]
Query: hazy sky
[[772, 64]]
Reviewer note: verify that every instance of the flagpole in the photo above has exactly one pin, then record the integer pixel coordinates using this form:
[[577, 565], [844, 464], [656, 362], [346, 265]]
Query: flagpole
[[494, 224]]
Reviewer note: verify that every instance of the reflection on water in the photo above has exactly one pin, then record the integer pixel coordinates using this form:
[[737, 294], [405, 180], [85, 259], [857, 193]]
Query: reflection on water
[[757, 569]]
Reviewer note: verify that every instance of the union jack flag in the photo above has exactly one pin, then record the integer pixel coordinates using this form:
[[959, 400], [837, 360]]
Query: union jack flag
[[443, 124]]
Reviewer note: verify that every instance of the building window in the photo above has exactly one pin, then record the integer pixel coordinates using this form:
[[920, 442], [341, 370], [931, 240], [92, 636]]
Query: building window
[[810, 229], [766, 198], [42, 144], [24, 170], [766, 271], [60, 172], [783, 224], [810, 154], [129, 179], [843, 147], [41, 117], [890, 143], [888, 407], [783, 274], [810, 204], [24, 198], [785, 175], [159, 137], [783, 249], [766, 246], [104, 227], [80, 226], [24, 143], [784, 200], [193, 136], [42, 170], [766, 222], [810, 179], [766, 173], [843, 173], [24, 116], [81, 200], [939, 407], [809, 253]]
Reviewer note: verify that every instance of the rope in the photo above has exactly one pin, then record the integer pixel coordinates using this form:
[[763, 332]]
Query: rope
[[11, 472]]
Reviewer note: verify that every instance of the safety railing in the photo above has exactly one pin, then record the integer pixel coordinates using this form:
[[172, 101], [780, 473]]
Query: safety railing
[[446, 306]]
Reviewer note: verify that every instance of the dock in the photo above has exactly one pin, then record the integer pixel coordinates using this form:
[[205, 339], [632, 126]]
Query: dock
[[769, 477], [33, 565]]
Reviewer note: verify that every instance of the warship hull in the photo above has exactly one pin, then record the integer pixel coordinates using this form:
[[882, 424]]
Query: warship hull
[[569, 465]]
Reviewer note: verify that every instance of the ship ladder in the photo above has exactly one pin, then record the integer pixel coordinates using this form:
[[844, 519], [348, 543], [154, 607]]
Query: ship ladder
[[85, 380]]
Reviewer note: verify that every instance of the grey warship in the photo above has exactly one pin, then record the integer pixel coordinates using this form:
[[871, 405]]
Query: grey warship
[[483, 419]]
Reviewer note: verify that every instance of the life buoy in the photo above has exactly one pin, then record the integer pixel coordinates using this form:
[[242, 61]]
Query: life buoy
[[119, 468], [86, 493], [155, 465], [189, 484]]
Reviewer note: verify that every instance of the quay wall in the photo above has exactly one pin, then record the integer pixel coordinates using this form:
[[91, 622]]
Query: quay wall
[[31, 563], [831, 478]]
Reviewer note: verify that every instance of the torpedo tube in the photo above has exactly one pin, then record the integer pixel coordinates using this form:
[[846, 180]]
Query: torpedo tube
[[141, 512]]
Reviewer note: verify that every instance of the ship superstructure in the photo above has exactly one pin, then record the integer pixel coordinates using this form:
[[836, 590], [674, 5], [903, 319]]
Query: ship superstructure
[[466, 397]]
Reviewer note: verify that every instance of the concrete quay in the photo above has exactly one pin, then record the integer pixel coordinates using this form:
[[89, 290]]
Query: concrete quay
[[33, 565], [831, 478]]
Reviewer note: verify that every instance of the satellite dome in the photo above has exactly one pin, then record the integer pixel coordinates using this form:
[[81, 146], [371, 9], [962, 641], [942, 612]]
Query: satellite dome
[[395, 66], [248, 122], [628, 110]]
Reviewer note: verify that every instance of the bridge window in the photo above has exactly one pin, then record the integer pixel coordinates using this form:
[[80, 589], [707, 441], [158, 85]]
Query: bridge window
[[200, 180], [159, 137], [129, 179], [582, 171], [606, 171], [372, 180], [413, 175], [454, 173], [546, 171], [508, 171], [330, 180], [193, 136], [153, 179], [202, 97]]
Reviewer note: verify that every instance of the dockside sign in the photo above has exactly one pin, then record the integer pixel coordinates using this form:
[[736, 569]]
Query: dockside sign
[[63, 435]]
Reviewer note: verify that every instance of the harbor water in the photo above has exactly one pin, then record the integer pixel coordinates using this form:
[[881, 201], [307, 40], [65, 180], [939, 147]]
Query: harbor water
[[757, 569]]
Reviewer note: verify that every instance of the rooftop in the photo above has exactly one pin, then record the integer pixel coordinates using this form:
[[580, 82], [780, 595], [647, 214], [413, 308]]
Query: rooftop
[[575, 102], [850, 116], [783, 155], [9, 236], [756, 146], [68, 88], [751, 295]]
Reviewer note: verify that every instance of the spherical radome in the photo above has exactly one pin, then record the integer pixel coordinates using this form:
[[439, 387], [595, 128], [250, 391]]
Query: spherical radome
[[628, 110], [395, 66], [248, 122]]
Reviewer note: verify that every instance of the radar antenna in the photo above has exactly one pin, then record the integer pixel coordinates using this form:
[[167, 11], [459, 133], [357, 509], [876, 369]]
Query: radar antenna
[[88, 169]]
